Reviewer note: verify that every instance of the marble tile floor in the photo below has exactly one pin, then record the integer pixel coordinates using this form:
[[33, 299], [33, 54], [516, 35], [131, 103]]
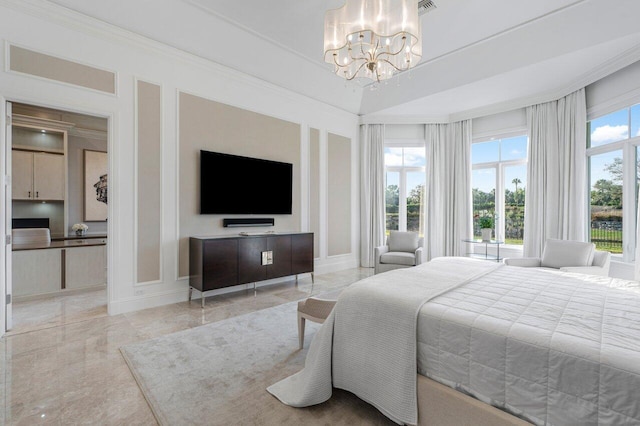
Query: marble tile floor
[[47, 312], [73, 373]]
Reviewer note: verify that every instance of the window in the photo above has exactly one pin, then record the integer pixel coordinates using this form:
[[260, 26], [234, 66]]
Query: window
[[405, 185], [498, 183], [613, 151]]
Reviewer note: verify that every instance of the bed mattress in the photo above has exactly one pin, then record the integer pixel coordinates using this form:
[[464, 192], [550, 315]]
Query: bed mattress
[[550, 347]]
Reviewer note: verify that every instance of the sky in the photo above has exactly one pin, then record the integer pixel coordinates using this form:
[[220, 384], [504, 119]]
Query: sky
[[499, 150], [409, 157], [610, 128]]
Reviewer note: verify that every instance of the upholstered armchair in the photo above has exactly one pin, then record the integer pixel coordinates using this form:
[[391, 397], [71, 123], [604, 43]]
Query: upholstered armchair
[[403, 250], [568, 256]]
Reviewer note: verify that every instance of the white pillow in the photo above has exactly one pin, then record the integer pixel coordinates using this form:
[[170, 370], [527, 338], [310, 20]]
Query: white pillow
[[560, 253], [403, 241]]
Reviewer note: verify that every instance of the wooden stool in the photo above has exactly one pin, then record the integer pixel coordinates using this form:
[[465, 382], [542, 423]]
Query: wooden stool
[[315, 309]]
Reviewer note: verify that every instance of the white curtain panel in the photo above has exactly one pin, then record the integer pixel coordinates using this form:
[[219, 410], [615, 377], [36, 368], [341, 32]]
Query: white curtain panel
[[636, 268], [448, 195], [372, 202], [556, 204]]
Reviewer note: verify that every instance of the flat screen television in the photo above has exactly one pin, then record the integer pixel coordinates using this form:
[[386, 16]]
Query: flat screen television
[[231, 184]]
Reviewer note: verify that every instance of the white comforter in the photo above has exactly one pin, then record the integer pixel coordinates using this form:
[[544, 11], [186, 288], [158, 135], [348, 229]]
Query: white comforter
[[555, 348], [369, 340], [552, 347]]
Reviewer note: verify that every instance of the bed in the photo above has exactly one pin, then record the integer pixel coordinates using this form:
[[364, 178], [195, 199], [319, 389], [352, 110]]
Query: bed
[[540, 346]]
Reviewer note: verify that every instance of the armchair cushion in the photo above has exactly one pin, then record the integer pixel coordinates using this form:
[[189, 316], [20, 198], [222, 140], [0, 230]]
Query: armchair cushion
[[403, 241], [562, 253], [399, 258]]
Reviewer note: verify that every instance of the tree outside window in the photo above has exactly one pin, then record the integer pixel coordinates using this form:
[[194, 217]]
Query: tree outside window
[[404, 189], [498, 183]]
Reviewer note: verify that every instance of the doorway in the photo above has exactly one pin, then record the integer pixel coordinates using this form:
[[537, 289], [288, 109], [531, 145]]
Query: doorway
[[58, 217]]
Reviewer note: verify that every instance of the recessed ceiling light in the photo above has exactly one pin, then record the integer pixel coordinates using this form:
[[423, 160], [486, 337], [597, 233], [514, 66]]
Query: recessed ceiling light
[[43, 131]]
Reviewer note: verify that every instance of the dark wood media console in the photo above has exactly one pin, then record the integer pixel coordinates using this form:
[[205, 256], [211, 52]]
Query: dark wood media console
[[225, 261]]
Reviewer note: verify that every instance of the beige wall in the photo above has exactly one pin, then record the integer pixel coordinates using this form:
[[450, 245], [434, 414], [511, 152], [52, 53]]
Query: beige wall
[[339, 195], [213, 126], [75, 163], [149, 181], [46, 66]]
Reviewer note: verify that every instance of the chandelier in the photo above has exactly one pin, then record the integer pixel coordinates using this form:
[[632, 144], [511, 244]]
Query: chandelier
[[372, 39]]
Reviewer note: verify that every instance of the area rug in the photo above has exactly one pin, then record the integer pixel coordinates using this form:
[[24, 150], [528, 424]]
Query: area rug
[[217, 374]]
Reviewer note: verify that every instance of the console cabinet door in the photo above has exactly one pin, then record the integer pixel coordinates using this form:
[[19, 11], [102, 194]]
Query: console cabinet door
[[301, 253], [220, 264], [280, 246], [250, 268]]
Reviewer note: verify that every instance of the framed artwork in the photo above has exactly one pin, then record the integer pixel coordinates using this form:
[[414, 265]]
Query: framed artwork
[[95, 186]]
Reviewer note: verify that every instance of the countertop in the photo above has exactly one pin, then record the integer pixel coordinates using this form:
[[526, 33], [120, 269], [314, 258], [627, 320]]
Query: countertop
[[60, 244]]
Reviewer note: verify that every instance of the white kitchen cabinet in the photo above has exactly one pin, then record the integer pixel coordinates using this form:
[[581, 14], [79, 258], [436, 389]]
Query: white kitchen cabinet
[[36, 272], [37, 176], [22, 175], [58, 268], [86, 267]]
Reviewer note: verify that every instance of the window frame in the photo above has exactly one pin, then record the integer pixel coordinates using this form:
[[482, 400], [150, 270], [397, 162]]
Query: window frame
[[629, 197], [499, 167], [402, 177]]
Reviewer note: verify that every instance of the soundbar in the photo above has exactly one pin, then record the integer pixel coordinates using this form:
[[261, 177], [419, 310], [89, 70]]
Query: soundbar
[[235, 223]]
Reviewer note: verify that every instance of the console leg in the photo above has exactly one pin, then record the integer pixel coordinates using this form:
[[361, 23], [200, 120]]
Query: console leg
[[202, 298], [312, 283], [190, 293], [255, 292]]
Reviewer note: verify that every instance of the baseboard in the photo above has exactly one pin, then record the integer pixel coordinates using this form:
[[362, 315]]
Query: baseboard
[[181, 294], [148, 301]]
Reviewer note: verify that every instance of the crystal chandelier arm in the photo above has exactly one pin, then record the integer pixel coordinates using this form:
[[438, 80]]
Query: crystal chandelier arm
[[335, 61], [390, 63], [357, 71], [404, 43], [362, 50]]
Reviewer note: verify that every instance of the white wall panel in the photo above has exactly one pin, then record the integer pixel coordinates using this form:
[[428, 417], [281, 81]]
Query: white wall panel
[[59, 32]]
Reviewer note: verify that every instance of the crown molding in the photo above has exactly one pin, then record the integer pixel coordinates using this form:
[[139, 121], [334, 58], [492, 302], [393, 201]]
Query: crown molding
[[70, 19], [42, 123], [599, 72], [76, 21], [79, 132], [631, 97], [404, 119]]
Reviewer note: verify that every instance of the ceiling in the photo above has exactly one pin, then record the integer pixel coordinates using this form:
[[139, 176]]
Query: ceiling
[[477, 55]]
